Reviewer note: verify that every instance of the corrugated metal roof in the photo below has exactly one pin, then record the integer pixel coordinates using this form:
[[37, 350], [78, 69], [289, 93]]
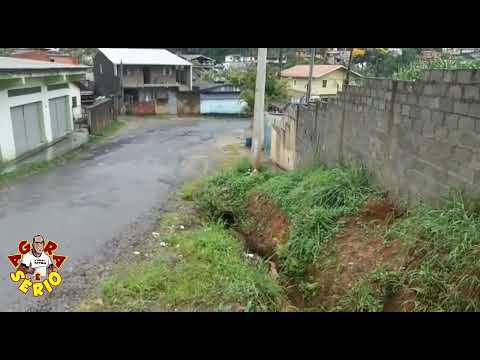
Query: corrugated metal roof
[[191, 57], [219, 88], [143, 57], [202, 85], [17, 64]]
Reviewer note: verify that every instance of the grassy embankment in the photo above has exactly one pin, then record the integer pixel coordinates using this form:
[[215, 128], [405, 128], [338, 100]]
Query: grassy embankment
[[331, 236]]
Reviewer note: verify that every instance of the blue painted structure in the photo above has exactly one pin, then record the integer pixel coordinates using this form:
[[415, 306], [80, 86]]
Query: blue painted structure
[[221, 98], [221, 105]]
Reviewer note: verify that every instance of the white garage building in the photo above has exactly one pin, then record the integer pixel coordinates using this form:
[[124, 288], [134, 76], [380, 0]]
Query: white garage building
[[38, 103]]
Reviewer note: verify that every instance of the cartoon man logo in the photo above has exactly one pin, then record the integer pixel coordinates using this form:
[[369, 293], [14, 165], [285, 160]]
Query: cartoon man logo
[[37, 262]]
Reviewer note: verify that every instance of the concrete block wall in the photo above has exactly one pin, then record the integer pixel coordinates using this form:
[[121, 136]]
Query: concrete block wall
[[418, 139], [283, 139]]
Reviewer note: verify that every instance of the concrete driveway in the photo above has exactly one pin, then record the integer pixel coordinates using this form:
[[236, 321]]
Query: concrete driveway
[[104, 202]]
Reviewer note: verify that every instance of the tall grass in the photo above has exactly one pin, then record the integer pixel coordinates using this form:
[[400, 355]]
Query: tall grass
[[441, 245], [313, 205], [312, 200], [212, 273], [445, 246]]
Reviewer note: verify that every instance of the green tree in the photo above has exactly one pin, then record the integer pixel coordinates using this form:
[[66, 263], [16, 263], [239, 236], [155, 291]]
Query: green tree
[[380, 63], [6, 51], [84, 55], [275, 88], [414, 70]]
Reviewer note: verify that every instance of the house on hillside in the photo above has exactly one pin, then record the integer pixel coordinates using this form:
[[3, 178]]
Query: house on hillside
[[200, 63], [150, 81], [238, 62], [39, 102], [327, 80], [429, 55], [304, 54], [337, 56], [465, 53]]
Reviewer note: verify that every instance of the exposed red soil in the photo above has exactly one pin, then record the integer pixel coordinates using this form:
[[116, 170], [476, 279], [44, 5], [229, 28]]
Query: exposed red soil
[[271, 226], [359, 249], [356, 251], [380, 209]]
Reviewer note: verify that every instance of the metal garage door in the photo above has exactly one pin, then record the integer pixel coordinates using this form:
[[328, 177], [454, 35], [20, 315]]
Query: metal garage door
[[27, 125], [60, 116], [221, 105]]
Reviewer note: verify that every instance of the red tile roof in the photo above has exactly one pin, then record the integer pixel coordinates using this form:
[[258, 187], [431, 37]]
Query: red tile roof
[[303, 71]]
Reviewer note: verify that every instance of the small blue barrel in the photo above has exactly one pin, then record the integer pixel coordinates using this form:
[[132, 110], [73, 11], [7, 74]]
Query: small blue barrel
[[248, 142]]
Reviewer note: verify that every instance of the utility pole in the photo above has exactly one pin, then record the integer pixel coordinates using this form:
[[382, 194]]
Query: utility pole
[[349, 67], [281, 62], [309, 86], [258, 114]]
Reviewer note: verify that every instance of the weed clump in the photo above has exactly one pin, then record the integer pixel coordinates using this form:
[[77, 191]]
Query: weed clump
[[312, 199], [444, 251]]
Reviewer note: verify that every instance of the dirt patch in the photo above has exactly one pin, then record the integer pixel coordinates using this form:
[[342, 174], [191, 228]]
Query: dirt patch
[[271, 226], [402, 302], [357, 251], [381, 209]]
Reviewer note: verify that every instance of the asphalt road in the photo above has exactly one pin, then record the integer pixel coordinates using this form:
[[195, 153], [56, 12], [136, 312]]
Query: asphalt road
[[103, 202]]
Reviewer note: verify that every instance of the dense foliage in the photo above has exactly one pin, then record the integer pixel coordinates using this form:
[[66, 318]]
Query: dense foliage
[[414, 70], [380, 63], [275, 87]]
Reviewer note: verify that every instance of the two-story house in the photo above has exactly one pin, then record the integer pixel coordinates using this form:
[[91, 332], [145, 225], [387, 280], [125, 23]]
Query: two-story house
[[429, 55], [147, 81], [327, 80]]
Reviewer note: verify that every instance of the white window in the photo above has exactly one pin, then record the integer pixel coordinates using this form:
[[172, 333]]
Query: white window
[[115, 70], [324, 83], [101, 69], [294, 82]]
